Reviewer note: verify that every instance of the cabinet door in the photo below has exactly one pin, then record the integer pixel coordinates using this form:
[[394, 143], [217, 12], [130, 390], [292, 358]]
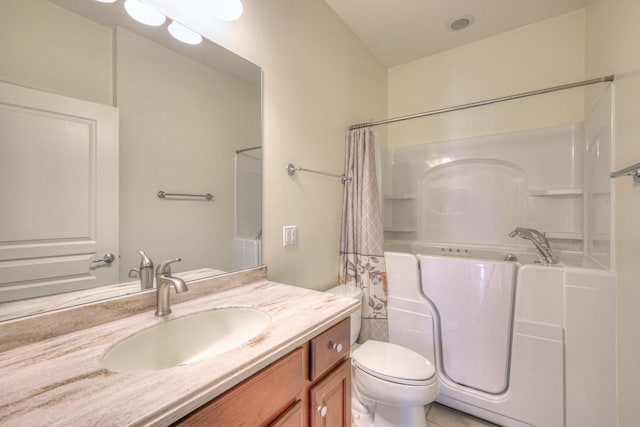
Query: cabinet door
[[258, 400], [331, 398], [293, 417]]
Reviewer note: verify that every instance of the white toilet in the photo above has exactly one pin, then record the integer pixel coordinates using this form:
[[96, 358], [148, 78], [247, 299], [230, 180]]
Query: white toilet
[[391, 384]]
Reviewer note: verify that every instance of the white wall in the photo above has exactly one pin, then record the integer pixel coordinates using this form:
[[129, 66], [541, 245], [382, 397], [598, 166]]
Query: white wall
[[318, 79], [536, 56], [612, 47]]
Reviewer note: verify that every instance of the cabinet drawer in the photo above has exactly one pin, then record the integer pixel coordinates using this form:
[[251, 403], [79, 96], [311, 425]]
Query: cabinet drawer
[[258, 400], [329, 348]]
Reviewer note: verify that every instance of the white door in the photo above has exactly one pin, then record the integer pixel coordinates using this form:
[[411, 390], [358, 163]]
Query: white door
[[58, 193]]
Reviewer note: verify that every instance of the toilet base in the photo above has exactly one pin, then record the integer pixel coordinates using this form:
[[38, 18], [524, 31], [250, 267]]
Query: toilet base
[[393, 416], [386, 416], [361, 416]]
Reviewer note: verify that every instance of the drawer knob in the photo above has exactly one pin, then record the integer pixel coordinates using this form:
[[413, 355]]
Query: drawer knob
[[337, 347], [322, 410]]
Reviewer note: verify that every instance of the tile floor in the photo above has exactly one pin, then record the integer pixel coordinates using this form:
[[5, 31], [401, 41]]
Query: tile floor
[[442, 416]]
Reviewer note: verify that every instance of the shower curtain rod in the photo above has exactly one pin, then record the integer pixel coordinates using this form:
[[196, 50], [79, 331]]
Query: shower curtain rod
[[604, 79], [248, 149]]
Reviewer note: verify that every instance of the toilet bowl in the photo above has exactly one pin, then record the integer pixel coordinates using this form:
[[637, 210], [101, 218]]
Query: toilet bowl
[[391, 384]]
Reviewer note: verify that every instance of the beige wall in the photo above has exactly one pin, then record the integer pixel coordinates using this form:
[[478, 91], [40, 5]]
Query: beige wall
[[536, 56], [318, 79], [45, 47], [613, 37]]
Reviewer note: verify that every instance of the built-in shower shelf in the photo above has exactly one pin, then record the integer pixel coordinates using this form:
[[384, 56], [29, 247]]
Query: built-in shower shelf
[[400, 196], [397, 229], [555, 192], [564, 235]]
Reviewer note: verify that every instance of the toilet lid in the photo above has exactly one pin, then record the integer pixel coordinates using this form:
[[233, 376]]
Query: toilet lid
[[391, 361]]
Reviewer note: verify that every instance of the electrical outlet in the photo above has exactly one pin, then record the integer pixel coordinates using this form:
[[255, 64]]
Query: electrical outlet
[[289, 235]]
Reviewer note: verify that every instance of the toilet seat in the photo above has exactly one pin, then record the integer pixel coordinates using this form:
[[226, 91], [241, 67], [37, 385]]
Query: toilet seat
[[393, 363]]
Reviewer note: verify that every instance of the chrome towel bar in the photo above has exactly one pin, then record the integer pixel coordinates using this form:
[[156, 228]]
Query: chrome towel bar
[[208, 196], [633, 170], [291, 170]]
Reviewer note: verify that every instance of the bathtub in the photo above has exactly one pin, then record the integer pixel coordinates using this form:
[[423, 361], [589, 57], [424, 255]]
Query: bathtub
[[560, 369], [462, 251]]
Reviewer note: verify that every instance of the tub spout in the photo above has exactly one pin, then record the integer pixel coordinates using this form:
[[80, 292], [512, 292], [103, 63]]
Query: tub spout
[[539, 239]]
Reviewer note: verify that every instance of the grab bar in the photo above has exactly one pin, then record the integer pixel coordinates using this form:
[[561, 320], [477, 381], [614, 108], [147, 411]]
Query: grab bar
[[633, 170], [162, 195]]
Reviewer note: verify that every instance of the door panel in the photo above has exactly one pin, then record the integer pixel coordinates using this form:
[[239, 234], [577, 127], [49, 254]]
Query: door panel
[[58, 193]]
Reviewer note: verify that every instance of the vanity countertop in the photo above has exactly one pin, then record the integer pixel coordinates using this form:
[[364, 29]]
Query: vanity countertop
[[61, 381]]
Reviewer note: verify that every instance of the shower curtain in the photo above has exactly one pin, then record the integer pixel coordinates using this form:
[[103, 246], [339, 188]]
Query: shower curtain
[[362, 236]]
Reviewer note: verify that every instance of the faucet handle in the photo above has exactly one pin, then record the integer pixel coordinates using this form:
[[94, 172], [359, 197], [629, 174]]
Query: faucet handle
[[165, 266]]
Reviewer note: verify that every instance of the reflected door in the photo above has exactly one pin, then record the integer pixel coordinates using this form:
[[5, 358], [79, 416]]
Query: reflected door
[[58, 193]]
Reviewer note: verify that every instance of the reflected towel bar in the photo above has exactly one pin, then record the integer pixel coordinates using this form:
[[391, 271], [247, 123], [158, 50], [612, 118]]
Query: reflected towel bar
[[291, 170], [633, 170], [162, 195]]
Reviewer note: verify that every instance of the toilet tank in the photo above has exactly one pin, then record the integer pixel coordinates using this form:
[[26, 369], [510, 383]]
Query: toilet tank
[[356, 317]]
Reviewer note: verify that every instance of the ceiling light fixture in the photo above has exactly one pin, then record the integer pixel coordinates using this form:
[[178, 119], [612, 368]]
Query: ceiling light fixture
[[144, 13], [106, 1], [460, 23], [184, 34]]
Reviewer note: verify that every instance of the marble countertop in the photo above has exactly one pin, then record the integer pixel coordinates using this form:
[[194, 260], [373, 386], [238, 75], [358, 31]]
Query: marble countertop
[[61, 381]]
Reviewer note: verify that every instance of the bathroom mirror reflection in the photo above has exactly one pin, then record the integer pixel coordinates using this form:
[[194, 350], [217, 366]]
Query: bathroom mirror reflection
[[98, 115]]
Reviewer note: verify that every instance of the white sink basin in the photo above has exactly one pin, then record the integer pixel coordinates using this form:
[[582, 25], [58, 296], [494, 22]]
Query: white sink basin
[[185, 340]]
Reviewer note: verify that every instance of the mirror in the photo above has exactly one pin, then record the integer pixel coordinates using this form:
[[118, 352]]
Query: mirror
[[187, 122]]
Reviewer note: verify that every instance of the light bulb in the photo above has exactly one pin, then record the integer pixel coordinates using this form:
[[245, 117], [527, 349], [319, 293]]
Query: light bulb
[[205, 10], [184, 34], [230, 10], [144, 13]]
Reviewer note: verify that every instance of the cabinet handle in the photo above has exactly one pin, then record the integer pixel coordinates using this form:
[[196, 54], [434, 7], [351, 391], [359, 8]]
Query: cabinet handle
[[322, 410], [337, 347]]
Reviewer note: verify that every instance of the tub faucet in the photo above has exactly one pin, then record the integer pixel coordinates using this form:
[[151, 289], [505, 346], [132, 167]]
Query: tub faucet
[[164, 281], [538, 239], [144, 272]]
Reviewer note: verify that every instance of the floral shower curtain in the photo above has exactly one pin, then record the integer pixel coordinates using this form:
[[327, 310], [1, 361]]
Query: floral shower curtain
[[362, 237]]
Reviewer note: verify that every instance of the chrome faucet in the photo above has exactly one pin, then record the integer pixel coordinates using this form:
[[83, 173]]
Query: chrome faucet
[[144, 272], [164, 281], [538, 239]]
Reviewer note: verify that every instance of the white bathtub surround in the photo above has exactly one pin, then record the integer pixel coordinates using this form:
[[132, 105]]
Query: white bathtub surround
[[61, 381], [561, 367], [475, 191], [245, 253], [362, 236], [246, 245]]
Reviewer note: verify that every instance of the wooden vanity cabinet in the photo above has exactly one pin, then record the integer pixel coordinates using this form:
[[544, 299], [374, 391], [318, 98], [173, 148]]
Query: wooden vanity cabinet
[[311, 386]]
